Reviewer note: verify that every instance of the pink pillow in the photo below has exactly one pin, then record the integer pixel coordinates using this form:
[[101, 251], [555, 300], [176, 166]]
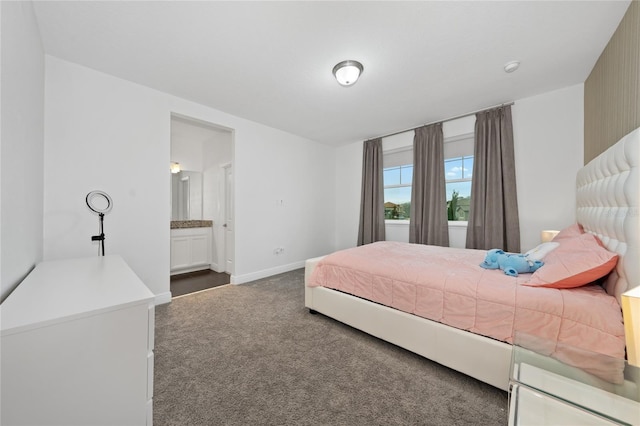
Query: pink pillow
[[577, 261], [570, 231]]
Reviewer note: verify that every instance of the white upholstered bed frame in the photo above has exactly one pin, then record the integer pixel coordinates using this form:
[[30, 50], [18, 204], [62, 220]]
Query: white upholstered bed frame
[[607, 206]]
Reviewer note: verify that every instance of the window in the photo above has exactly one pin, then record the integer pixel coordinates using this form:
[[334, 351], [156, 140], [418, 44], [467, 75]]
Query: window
[[397, 176], [397, 192], [458, 172], [458, 169]]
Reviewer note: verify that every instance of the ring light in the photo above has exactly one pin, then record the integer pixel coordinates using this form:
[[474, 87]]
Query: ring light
[[95, 206], [95, 201]]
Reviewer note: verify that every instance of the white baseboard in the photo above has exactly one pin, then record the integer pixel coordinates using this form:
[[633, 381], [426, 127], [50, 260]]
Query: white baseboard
[[245, 278], [163, 298], [191, 269]]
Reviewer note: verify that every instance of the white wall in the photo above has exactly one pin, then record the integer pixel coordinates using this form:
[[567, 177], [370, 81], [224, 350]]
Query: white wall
[[110, 134], [548, 139], [348, 191], [548, 131], [22, 118], [217, 153], [188, 152]]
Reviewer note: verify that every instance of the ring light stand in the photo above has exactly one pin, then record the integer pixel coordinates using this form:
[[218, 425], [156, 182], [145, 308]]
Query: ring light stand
[[101, 211]]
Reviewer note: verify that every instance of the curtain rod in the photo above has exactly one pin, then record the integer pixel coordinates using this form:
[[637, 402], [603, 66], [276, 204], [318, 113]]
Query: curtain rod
[[445, 120]]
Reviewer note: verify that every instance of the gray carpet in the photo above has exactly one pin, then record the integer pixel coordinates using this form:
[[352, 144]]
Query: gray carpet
[[253, 355]]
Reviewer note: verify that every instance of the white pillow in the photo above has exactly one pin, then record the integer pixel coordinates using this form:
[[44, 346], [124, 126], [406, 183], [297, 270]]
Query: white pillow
[[538, 253]]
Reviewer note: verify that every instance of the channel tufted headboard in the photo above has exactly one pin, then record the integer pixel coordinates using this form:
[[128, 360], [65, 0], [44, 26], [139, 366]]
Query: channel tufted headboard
[[608, 193]]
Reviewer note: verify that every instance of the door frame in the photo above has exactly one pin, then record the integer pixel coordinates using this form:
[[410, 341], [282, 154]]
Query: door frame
[[229, 192], [231, 163]]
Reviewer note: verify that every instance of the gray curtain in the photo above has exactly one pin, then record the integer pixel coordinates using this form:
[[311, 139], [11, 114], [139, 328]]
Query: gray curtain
[[371, 227], [493, 213], [429, 224]]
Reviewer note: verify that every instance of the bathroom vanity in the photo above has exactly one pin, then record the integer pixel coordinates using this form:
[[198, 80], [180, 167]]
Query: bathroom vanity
[[191, 245]]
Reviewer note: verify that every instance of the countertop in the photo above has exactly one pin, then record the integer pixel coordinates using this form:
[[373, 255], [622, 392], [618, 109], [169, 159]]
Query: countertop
[[180, 224]]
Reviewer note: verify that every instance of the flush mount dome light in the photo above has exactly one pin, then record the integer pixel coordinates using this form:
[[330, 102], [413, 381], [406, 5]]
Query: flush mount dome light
[[347, 72]]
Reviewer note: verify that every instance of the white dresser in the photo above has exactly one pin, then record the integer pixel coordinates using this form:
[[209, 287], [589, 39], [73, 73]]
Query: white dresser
[[77, 346]]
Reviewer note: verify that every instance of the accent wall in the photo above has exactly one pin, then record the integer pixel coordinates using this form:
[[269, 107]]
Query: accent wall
[[612, 90]]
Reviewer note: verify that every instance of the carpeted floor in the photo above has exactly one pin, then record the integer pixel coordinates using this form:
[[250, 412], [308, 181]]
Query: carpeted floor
[[253, 355]]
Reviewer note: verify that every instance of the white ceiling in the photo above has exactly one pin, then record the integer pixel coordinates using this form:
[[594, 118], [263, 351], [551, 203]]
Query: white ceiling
[[271, 62]]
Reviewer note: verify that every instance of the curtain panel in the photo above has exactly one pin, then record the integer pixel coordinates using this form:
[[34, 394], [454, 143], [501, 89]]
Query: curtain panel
[[428, 223], [493, 213], [371, 227]]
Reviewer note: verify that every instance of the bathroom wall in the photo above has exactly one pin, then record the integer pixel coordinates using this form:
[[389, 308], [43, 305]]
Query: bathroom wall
[[217, 154]]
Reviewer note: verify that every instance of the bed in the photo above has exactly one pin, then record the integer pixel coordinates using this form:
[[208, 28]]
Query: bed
[[606, 207]]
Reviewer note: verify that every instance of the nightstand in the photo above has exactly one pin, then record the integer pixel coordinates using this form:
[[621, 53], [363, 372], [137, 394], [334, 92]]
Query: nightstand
[[544, 391]]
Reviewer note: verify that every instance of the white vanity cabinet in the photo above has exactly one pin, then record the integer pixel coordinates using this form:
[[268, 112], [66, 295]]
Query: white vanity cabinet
[[190, 249], [77, 346]]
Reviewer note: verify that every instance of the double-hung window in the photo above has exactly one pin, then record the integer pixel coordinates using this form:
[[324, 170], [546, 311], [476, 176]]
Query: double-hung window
[[397, 175], [458, 173], [458, 170]]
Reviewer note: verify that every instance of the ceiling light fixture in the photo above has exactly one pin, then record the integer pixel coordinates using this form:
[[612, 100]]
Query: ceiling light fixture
[[347, 72], [175, 167], [511, 66]]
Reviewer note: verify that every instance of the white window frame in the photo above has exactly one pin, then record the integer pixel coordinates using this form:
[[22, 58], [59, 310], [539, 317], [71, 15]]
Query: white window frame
[[398, 151], [464, 148], [452, 148]]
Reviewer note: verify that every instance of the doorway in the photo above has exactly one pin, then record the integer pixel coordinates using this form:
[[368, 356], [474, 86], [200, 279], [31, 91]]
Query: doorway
[[194, 282], [202, 210]]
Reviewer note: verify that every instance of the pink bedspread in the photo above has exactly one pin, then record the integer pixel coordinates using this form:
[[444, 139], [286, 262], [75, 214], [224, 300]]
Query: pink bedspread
[[448, 285]]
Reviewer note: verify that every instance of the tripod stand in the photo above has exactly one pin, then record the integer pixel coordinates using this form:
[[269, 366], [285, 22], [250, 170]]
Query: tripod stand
[[101, 236]]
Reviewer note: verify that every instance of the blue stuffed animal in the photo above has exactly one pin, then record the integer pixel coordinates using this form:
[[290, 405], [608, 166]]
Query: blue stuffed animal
[[511, 264]]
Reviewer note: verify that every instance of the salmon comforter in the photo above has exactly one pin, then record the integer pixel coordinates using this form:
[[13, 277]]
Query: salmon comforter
[[580, 326]]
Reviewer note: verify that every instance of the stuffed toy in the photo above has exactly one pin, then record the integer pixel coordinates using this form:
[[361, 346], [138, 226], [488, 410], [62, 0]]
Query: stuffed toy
[[511, 264]]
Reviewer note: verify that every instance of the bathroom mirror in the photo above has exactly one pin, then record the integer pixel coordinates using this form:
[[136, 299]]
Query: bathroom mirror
[[186, 195]]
